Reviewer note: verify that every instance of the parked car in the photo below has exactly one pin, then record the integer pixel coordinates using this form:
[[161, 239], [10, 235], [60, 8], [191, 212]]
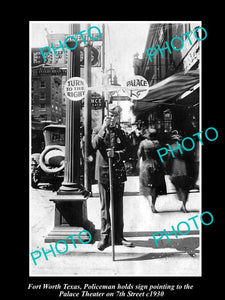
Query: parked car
[[48, 166]]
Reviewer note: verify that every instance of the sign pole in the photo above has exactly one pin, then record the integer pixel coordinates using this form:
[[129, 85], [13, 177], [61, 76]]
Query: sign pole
[[111, 186]]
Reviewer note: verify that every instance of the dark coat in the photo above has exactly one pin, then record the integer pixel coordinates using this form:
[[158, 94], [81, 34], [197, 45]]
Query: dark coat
[[102, 164], [181, 168]]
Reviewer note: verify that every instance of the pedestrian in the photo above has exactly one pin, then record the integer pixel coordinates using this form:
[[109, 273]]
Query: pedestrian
[[152, 174], [134, 141], [180, 169], [110, 135]]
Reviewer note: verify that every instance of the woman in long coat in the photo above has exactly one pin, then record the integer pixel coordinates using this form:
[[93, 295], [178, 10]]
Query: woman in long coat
[[152, 175], [180, 168]]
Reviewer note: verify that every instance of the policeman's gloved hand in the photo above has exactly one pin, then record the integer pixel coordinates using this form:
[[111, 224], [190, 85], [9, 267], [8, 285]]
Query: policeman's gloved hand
[[110, 152], [107, 121]]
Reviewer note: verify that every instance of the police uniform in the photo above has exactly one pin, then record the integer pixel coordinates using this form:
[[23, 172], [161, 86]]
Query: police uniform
[[101, 141]]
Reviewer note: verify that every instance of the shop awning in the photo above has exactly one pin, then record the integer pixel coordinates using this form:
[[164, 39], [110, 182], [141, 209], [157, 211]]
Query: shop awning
[[166, 91]]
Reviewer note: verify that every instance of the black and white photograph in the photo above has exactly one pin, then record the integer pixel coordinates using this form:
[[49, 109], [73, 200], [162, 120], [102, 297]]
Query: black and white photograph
[[116, 141]]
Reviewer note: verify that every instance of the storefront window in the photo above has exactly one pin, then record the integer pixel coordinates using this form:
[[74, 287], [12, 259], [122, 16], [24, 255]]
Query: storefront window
[[167, 120]]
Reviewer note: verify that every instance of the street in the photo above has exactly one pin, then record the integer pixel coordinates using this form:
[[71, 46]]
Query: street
[[158, 102], [179, 256]]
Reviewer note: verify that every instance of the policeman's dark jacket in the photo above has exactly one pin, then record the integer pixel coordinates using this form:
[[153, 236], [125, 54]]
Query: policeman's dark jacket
[[101, 142]]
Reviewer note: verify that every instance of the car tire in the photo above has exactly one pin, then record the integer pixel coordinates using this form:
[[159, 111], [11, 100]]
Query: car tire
[[42, 162]]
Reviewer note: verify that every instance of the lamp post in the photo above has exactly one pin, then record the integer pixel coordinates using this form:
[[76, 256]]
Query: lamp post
[[72, 147], [87, 113], [70, 201]]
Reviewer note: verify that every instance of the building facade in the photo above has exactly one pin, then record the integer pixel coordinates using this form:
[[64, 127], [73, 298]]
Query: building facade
[[186, 59], [47, 94], [49, 76], [182, 114]]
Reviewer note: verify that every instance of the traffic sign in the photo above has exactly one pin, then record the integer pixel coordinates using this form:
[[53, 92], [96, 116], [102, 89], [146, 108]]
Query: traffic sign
[[75, 88], [137, 87]]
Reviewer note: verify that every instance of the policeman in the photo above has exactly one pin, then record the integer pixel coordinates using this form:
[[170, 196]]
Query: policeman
[[110, 140]]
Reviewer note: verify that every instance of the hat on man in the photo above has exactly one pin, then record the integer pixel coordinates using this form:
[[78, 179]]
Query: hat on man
[[115, 109]]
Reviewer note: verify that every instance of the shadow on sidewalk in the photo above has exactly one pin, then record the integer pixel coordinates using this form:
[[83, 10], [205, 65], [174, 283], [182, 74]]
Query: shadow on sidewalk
[[187, 245], [157, 255]]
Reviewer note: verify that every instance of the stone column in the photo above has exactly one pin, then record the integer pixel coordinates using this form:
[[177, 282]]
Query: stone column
[[70, 201], [72, 148]]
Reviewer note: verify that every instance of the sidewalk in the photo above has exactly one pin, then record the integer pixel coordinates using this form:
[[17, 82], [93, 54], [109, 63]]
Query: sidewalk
[[171, 258]]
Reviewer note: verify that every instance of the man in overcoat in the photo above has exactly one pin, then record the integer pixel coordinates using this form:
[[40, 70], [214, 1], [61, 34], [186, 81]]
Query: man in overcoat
[[110, 140]]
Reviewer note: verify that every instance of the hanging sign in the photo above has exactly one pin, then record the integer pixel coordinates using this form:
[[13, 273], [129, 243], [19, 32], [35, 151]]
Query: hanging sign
[[75, 88], [137, 87]]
